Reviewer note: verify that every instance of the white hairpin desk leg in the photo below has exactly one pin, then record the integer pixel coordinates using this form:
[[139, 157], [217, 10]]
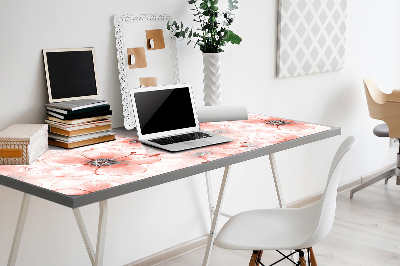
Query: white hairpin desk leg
[[211, 237], [95, 258], [85, 236], [210, 194], [277, 182], [101, 233], [19, 230]]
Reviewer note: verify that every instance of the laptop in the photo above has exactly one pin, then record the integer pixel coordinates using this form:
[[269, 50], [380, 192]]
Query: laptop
[[166, 118]]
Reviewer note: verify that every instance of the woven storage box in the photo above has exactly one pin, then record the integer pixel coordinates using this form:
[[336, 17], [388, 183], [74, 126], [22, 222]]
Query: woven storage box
[[23, 143]]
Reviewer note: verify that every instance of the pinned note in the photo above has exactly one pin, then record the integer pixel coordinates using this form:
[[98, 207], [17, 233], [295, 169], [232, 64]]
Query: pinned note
[[148, 82], [155, 39], [137, 58]]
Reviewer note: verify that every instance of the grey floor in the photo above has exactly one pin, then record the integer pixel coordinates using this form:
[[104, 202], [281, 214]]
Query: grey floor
[[366, 232]]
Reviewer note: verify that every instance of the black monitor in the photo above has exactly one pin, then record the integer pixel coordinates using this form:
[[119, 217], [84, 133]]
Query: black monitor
[[70, 74]]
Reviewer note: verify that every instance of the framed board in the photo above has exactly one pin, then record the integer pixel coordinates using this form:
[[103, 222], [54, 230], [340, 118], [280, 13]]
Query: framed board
[[70, 74], [146, 53]]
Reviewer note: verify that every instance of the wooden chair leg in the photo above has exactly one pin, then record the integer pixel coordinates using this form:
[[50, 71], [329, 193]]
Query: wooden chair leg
[[255, 257], [313, 260]]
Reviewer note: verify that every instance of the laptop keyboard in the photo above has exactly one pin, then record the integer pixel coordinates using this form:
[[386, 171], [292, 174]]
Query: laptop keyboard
[[180, 138]]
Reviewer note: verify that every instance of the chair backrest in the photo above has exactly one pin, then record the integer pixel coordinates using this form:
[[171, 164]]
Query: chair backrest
[[385, 107], [375, 99], [327, 203]]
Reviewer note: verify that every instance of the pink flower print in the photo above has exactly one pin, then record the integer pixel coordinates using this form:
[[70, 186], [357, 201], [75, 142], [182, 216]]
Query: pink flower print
[[56, 158], [164, 166], [141, 159], [193, 160], [93, 186], [69, 186], [299, 127], [212, 126], [120, 168], [12, 170], [108, 153], [112, 161], [286, 137]]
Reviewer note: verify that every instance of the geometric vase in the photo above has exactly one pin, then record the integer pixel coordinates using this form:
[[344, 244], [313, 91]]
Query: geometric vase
[[212, 75]]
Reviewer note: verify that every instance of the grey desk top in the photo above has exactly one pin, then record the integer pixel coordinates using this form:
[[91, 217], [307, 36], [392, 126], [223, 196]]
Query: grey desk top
[[82, 176]]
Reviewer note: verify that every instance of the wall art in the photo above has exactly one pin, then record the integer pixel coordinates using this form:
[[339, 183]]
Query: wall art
[[311, 36]]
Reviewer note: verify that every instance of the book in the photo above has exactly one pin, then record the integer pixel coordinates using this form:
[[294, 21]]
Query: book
[[70, 133], [79, 111], [78, 121], [68, 127], [81, 143], [79, 116], [79, 137], [77, 104]]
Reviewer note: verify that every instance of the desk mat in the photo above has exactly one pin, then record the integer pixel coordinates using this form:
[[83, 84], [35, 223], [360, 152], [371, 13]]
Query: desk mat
[[93, 168]]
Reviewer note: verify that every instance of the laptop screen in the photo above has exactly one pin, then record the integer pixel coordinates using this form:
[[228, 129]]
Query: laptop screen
[[164, 110]]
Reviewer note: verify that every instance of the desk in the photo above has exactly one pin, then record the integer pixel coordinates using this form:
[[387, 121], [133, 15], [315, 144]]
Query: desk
[[86, 175]]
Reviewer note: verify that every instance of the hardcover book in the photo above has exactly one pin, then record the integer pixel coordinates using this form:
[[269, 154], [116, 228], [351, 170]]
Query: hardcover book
[[77, 104], [79, 131], [69, 127], [79, 137], [78, 121], [81, 143], [79, 116], [79, 111]]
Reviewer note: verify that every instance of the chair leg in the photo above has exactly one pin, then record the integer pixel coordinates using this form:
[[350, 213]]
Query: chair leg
[[313, 260], [255, 258], [302, 259], [384, 175]]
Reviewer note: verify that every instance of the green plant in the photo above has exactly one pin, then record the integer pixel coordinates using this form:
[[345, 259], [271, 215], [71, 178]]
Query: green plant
[[214, 32]]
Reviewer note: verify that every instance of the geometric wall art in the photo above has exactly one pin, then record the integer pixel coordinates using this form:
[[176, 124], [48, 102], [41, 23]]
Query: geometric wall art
[[311, 36]]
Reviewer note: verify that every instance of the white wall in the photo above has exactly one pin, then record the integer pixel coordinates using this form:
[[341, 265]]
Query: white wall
[[148, 221]]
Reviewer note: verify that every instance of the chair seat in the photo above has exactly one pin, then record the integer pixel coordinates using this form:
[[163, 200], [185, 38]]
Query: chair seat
[[381, 130], [269, 229]]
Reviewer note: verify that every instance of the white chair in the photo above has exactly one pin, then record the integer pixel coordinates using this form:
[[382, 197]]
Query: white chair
[[287, 229]]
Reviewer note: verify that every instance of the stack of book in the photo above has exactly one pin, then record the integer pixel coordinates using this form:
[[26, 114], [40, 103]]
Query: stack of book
[[79, 123]]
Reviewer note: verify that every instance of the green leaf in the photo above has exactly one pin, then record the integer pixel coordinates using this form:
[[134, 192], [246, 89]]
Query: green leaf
[[214, 8], [233, 38], [204, 5], [232, 5], [214, 2]]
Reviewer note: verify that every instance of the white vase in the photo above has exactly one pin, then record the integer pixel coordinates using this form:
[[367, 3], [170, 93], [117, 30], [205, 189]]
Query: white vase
[[212, 75]]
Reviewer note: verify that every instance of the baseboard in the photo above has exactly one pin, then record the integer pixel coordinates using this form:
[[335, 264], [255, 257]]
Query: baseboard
[[369, 176], [200, 242], [172, 252]]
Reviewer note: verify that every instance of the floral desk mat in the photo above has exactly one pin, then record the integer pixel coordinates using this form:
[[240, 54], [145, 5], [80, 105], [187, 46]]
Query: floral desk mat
[[92, 168]]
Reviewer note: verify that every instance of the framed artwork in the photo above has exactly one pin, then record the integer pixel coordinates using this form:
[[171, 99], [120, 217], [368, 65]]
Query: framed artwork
[[311, 36], [146, 53], [70, 74]]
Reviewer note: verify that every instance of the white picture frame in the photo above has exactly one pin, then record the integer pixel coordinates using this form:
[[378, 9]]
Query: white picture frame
[[91, 50], [130, 33]]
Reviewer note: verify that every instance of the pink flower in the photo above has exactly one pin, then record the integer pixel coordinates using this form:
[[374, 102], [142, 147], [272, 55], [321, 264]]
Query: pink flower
[[121, 168]]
